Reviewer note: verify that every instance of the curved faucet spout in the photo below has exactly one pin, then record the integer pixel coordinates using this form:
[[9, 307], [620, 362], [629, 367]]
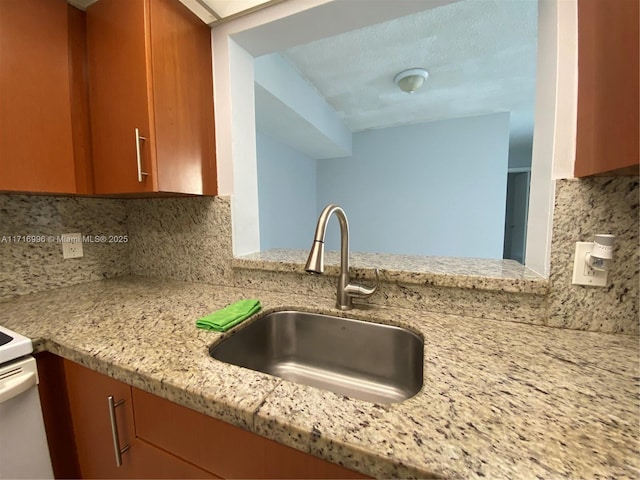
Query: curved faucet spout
[[315, 261]]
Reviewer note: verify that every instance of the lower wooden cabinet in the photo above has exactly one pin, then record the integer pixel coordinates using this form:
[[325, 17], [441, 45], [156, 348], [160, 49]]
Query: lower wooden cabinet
[[88, 392], [158, 438], [224, 449], [148, 461], [93, 400]]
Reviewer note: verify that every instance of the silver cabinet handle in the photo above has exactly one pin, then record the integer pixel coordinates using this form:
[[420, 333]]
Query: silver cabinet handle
[[139, 155], [114, 429]]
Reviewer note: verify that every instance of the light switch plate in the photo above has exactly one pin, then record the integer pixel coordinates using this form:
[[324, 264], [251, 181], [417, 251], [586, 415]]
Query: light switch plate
[[583, 274], [72, 245]]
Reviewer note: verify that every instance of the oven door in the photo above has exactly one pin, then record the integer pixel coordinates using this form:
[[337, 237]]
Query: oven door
[[23, 443]]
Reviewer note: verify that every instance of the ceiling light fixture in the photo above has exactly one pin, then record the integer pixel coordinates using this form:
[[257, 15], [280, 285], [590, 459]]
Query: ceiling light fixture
[[412, 79]]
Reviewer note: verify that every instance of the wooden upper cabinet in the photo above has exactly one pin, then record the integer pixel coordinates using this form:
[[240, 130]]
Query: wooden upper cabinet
[[44, 142], [607, 135], [150, 72]]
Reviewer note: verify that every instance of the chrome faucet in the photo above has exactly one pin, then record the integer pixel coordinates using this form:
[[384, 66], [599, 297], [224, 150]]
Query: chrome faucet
[[315, 262]]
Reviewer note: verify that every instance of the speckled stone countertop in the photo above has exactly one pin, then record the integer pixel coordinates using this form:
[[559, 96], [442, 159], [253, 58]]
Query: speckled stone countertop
[[478, 273], [500, 399]]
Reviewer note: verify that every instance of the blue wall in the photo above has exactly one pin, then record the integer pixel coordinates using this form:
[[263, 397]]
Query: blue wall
[[428, 189], [520, 154], [286, 195], [280, 90]]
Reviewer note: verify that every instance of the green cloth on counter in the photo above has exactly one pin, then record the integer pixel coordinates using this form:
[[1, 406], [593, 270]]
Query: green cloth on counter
[[229, 316]]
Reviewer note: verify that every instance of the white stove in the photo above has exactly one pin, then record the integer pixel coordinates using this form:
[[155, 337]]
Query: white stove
[[13, 345], [24, 452]]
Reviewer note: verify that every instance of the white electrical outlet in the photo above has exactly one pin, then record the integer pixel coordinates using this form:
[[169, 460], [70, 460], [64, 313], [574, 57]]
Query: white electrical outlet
[[72, 245], [583, 274]]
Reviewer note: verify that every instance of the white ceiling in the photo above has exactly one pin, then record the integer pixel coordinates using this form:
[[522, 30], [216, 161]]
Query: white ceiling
[[213, 11], [279, 121], [209, 11], [480, 54]]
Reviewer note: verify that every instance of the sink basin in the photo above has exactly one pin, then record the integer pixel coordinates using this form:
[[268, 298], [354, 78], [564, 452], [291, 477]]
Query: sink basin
[[369, 361]]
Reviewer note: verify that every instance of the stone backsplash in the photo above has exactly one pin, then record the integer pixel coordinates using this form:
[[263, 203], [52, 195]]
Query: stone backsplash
[[584, 207], [28, 266], [190, 239], [182, 238]]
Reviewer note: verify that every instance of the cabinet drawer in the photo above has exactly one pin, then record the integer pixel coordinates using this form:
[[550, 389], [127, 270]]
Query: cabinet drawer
[[204, 441], [148, 461], [221, 448]]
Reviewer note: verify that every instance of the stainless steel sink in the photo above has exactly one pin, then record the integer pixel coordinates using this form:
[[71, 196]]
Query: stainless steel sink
[[369, 361]]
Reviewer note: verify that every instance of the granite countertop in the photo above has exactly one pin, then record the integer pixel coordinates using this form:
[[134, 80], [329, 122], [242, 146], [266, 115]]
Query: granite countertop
[[478, 273], [500, 399]]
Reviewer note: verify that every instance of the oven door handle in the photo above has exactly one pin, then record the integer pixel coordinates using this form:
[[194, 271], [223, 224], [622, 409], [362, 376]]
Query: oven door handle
[[16, 386]]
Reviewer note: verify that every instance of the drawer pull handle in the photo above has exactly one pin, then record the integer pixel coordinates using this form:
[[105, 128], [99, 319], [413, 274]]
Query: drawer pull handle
[[114, 430], [139, 155]]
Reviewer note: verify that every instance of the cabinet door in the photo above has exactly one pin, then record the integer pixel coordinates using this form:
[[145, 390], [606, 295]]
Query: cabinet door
[[607, 135], [36, 150], [150, 71], [224, 449], [81, 128], [183, 99], [57, 417], [119, 91], [88, 394]]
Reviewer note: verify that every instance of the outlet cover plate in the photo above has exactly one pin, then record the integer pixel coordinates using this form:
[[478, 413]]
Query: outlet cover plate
[[72, 245], [583, 274]]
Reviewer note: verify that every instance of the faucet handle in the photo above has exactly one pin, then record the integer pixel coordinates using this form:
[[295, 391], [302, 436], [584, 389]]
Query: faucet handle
[[362, 291]]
